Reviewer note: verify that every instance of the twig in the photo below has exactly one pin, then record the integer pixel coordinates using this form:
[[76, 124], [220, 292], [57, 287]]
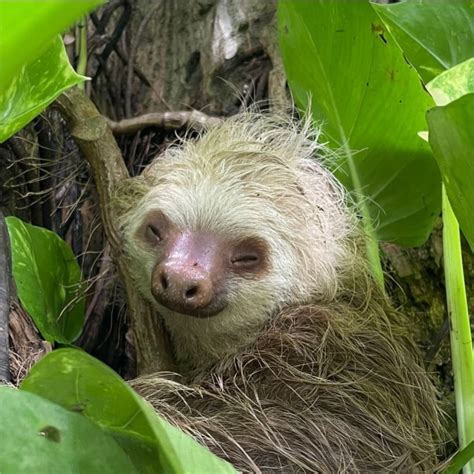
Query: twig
[[26, 344], [437, 340], [112, 44], [94, 138], [119, 27], [136, 69], [166, 120], [5, 277]]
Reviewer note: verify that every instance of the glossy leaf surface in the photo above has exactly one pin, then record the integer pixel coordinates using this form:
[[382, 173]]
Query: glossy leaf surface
[[341, 61], [48, 280], [451, 135], [435, 35], [34, 66], [40, 436], [77, 381]]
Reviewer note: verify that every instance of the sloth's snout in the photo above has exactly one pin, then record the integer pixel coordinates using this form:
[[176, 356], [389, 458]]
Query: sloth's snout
[[182, 289], [190, 277]]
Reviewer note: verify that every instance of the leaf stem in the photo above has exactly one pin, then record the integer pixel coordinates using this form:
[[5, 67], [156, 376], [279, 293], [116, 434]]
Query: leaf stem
[[460, 329], [82, 48], [371, 241]]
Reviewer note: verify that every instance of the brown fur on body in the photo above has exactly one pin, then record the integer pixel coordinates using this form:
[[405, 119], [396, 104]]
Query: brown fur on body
[[323, 389], [306, 369]]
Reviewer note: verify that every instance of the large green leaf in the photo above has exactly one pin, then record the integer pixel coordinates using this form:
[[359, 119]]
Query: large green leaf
[[34, 66], [34, 87], [435, 35], [79, 382], [42, 437], [28, 28], [365, 96], [48, 280], [451, 135]]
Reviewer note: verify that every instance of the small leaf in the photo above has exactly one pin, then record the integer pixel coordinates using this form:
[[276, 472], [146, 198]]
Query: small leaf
[[48, 280], [77, 381], [451, 136], [34, 66], [435, 35], [453, 83], [40, 436]]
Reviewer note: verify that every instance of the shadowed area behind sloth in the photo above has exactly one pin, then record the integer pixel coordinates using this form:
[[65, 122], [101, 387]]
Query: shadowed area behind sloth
[[292, 358]]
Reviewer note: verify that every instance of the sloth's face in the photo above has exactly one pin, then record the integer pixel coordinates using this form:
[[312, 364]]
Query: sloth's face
[[210, 244], [195, 272], [232, 227]]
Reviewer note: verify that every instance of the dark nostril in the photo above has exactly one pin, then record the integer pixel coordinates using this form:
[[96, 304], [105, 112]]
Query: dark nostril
[[191, 292], [164, 281]]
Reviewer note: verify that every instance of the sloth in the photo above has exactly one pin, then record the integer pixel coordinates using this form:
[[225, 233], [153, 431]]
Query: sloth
[[291, 357]]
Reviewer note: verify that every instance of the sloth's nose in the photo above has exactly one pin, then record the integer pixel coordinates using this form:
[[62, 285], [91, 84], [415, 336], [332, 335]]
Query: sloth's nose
[[183, 289]]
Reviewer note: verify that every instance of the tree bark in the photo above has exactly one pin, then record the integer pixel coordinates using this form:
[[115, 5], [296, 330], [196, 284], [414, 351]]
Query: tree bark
[[209, 55]]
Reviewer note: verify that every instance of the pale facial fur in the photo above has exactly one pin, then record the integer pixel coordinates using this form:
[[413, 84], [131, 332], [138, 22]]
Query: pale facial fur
[[251, 176]]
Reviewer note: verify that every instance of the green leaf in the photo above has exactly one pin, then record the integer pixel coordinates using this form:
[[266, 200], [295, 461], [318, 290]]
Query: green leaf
[[460, 459], [451, 136], [193, 457], [76, 381], [34, 87], [39, 436], [48, 280], [141, 451], [34, 66], [29, 28], [79, 382], [435, 35], [453, 83], [367, 98]]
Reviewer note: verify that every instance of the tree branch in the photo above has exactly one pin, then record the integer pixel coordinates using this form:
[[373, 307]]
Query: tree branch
[[95, 140], [167, 120]]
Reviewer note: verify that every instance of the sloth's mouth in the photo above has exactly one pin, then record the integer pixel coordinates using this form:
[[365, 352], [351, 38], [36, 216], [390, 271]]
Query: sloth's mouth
[[210, 311]]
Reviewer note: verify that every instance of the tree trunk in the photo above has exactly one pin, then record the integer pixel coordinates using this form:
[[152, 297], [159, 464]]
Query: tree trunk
[[210, 55]]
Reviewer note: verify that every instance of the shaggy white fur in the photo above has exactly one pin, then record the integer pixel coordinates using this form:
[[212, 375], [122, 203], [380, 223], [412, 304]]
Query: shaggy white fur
[[251, 176]]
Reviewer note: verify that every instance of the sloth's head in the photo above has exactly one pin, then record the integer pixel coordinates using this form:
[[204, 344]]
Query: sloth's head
[[235, 225]]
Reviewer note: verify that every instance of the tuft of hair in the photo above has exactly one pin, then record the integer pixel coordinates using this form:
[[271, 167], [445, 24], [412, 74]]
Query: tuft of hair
[[307, 369]]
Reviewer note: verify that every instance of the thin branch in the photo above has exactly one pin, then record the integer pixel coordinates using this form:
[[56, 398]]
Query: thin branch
[[5, 282], [118, 29], [95, 140], [167, 120], [112, 43]]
